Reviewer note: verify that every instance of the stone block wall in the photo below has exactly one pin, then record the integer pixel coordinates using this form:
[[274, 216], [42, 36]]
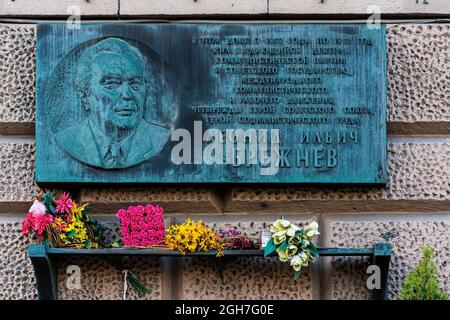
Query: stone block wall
[[60, 8], [197, 8], [413, 209]]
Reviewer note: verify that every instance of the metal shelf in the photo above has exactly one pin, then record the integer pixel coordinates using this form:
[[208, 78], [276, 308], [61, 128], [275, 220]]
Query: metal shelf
[[45, 259]]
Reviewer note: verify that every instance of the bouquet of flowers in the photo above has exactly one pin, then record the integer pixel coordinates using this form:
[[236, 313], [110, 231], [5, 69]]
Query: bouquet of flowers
[[62, 223], [234, 239], [142, 226], [293, 244], [192, 237]]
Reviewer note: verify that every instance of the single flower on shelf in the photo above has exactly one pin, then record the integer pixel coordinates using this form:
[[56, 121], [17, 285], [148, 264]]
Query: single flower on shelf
[[293, 244]]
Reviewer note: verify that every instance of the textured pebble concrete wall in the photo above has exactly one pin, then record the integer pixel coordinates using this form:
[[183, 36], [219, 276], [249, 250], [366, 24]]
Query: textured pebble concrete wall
[[413, 209]]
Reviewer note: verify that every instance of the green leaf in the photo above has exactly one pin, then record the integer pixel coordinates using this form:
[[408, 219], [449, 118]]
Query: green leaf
[[48, 198], [51, 208], [270, 248], [88, 244], [297, 274], [283, 245], [47, 242], [313, 249], [85, 211], [137, 284], [71, 234]]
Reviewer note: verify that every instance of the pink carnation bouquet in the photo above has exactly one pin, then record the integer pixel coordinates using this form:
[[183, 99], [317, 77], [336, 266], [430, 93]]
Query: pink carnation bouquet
[[142, 226]]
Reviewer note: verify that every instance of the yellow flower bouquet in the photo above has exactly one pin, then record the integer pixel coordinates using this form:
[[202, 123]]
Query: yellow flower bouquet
[[193, 237]]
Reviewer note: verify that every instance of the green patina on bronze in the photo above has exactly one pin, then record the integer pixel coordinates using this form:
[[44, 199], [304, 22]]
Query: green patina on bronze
[[153, 103]]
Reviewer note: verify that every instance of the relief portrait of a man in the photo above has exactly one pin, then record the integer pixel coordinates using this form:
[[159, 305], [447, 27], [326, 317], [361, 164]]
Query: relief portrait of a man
[[112, 84]]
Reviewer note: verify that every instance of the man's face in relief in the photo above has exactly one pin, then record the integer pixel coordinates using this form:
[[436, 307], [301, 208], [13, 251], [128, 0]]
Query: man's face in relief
[[118, 91]]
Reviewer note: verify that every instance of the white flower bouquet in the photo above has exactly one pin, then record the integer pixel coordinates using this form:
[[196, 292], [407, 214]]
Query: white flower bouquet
[[293, 244]]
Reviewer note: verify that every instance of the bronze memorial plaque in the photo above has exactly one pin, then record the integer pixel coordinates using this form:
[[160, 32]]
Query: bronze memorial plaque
[[211, 103]]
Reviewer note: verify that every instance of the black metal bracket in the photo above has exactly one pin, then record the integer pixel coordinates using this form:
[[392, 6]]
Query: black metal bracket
[[381, 257], [45, 271]]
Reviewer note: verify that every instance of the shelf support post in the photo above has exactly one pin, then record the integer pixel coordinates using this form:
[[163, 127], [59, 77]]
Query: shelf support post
[[45, 272]]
